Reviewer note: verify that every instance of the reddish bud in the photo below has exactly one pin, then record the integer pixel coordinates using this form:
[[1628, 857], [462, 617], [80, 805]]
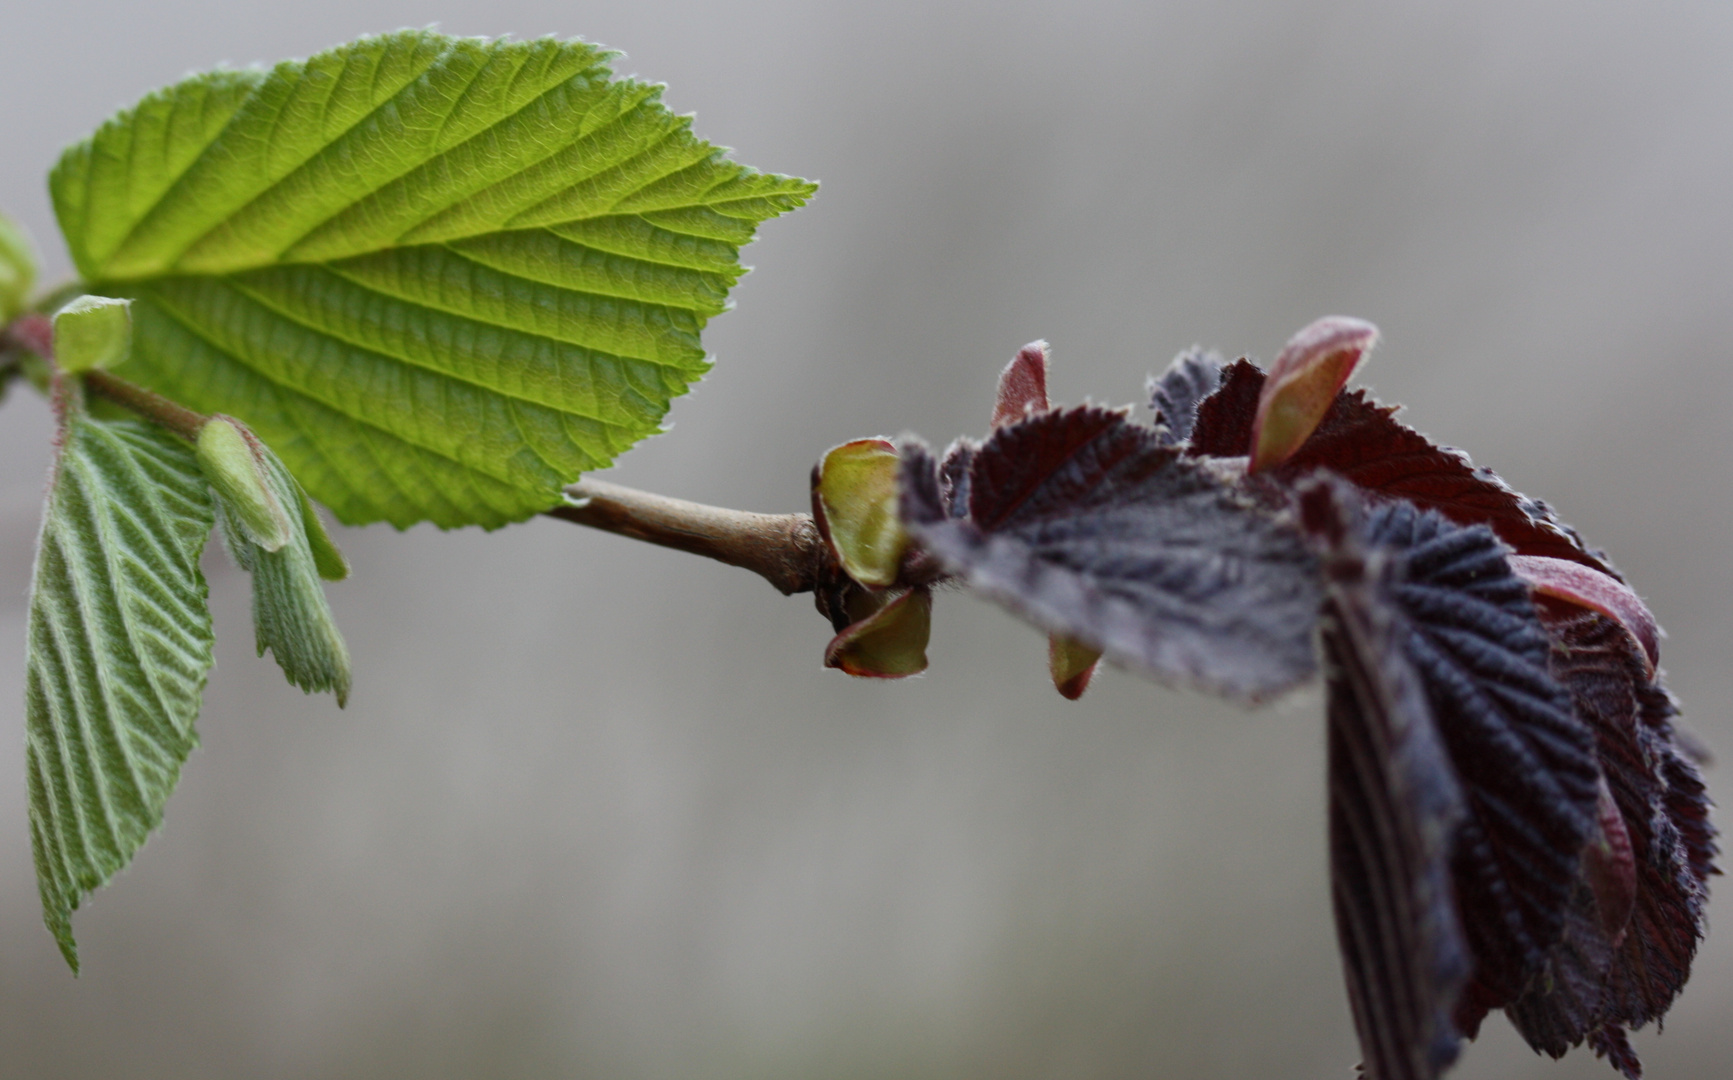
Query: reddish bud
[[1022, 385], [890, 643], [1306, 377], [1072, 665], [1575, 583]]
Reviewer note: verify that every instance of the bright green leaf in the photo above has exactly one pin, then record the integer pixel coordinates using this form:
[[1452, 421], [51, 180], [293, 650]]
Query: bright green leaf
[[290, 614], [92, 332], [17, 269], [442, 277], [119, 643]]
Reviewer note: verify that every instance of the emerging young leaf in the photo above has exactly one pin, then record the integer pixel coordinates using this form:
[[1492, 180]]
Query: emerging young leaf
[[92, 332], [1071, 664], [854, 502], [1022, 385], [889, 641], [1086, 524], [237, 474], [1362, 442], [442, 276], [119, 644], [1308, 374], [17, 269], [291, 616]]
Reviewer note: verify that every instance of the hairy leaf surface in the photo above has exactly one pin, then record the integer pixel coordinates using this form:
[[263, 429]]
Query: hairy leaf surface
[[1175, 394], [442, 277], [1446, 610], [1610, 975], [119, 644], [1086, 524]]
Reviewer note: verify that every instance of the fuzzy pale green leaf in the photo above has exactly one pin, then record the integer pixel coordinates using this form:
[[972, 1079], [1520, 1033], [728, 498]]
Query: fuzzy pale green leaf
[[119, 644], [291, 616], [442, 277]]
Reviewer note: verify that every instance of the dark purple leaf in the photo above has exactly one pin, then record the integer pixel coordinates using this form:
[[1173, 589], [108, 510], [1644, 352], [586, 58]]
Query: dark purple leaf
[[1175, 393], [954, 477], [1361, 441], [1395, 807], [1086, 524], [1642, 961], [1465, 630]]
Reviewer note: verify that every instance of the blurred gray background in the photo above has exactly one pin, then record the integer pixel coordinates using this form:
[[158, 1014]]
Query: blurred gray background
[[595, 810]]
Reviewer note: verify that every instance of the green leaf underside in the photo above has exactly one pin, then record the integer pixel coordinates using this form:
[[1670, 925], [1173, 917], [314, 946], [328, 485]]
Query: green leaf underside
[[291, 616], [119, 644], [441, 277]]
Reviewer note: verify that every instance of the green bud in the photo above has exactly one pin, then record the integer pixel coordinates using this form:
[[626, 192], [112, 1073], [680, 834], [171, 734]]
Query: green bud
[[92, 332], [889, 643], [854, 498], [235, 473], [17, 269]]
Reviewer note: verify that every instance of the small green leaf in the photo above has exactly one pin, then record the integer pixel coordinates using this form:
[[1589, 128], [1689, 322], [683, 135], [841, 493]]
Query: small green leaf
[[17, 269], [238, 478], [92, 332], [290, 614], [442, 276], [119, 644]]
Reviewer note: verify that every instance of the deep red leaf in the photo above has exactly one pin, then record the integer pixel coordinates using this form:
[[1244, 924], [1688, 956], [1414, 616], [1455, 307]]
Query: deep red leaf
[[1362, 442]]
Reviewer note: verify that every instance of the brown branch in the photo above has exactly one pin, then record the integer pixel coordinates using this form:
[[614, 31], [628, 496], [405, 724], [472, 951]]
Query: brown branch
[[147, 403], [784, 549]]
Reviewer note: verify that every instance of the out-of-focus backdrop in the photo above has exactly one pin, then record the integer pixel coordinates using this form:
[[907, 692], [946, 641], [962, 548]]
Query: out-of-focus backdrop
[[596, 810]]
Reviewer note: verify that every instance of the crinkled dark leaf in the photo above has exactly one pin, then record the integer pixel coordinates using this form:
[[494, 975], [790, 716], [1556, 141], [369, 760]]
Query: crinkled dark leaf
[[1524, 762], [1085, 523], [1174, 394], [1660, 797], [1395, 806], [1362, 442], [954, 477]]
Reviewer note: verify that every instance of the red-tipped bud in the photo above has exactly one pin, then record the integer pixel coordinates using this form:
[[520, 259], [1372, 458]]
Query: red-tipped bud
[[1072, 665], [854, 500], [890, 643], [1306, 377], [1575, 583], [1022, 385]]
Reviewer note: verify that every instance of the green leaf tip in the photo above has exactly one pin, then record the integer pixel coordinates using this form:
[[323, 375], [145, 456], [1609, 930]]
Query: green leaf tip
[[443, 276], [17, 269], [291, 616], [118, 647], [92, 332], [237, 475]]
